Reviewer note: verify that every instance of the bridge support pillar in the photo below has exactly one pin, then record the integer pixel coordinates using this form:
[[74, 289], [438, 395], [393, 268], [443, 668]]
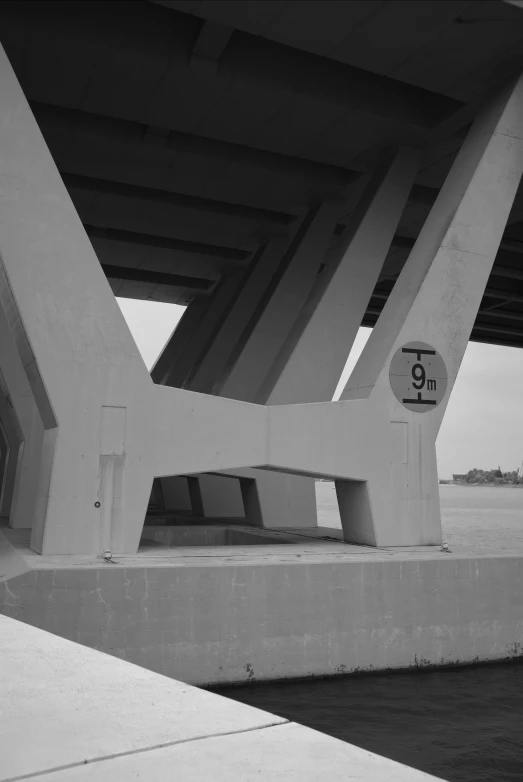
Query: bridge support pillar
[[434, 303], [86, 376]]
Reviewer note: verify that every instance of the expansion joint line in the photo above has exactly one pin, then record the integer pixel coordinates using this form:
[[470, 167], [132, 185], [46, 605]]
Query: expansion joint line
[[141, 751]]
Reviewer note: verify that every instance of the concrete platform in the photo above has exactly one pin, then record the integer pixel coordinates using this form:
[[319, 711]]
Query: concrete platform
[[317, 607], [71, 713]]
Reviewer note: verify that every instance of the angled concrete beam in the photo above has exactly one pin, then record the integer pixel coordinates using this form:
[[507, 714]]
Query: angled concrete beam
[[283, 302], [219, 360], [186, 363], [178, 340], [311, 360]]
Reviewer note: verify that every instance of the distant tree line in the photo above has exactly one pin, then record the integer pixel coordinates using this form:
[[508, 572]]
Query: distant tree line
[[491, 476]]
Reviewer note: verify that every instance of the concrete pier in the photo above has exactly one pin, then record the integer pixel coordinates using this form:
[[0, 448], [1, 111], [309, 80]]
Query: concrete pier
[[288, 172]]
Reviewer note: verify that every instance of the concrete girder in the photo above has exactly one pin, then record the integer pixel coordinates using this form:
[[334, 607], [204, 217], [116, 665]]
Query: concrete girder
[[155, 195], [113, 272], [176, 38], [68, 120], [260, 61], [232, 254], [131, 133]]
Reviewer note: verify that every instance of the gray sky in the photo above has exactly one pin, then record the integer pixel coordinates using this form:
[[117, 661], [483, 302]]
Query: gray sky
[[483, 425]]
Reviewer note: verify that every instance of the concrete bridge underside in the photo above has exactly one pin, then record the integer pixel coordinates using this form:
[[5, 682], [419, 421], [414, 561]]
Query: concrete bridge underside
[[288, 171]]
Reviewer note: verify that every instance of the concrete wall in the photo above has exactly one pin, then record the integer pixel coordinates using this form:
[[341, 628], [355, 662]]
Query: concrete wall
[[234, 623], [74, 714]]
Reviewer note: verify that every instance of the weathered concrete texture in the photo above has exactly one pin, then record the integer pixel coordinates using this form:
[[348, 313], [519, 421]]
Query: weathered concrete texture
[[239, 622], [90, 716]]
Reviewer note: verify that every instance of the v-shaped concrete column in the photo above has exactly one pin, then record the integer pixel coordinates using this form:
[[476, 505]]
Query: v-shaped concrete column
[[311, 357], [85, 372], [435, 301]]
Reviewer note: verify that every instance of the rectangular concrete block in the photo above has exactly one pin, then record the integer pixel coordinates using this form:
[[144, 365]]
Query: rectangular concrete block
[[243, 622]]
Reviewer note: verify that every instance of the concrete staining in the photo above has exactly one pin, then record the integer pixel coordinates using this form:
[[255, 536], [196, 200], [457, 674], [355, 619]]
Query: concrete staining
[[92, 717], [210, 616]]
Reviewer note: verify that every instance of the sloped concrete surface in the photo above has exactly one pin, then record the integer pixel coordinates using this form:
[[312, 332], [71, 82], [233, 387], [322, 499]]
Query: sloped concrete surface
[[287, 752], [72, 713]]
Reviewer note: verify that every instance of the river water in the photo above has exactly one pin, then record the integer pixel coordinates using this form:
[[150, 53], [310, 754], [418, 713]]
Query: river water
[[460, 724]]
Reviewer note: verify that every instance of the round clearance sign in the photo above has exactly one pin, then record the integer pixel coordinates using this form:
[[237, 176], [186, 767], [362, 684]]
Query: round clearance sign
[[418, 377]]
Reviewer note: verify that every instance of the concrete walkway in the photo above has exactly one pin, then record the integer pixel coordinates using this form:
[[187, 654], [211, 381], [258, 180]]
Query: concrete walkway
[[71, 713]]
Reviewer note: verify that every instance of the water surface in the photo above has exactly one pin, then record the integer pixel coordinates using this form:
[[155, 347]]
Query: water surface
[[460, 724], [474, 518]]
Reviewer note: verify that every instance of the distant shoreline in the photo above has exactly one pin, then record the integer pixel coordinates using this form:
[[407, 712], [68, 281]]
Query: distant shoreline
[[489, 485]]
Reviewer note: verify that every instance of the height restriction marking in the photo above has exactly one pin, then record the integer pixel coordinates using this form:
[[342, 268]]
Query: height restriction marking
[[418, 377]]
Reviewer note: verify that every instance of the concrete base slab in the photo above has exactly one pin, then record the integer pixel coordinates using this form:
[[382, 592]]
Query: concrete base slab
[[316, 607]]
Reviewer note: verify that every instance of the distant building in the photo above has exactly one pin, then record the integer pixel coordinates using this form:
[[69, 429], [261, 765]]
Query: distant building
[[459, 476]]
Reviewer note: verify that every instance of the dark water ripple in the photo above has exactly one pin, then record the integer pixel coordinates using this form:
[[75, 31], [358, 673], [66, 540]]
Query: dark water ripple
[[461, 724]]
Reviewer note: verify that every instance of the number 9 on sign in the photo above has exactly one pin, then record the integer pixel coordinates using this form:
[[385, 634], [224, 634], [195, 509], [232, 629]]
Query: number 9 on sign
[[418, 377]]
